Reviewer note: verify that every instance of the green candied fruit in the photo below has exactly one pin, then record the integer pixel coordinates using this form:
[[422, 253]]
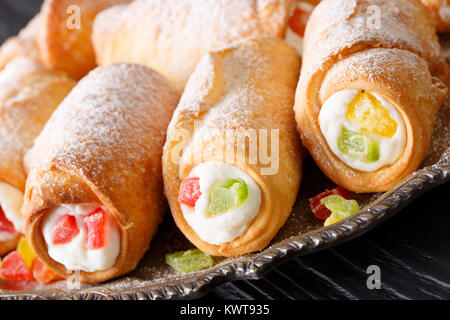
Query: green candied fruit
[[358, 146], [340, 207], [189, 260], [227, 197]]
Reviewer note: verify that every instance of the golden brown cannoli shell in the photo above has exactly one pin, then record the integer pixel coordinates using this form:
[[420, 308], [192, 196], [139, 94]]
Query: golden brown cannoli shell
[[62, 44], [59, 36], [401, 61], [29, 93], [171, 36], [247, 86], [23, 45], [103, 145]]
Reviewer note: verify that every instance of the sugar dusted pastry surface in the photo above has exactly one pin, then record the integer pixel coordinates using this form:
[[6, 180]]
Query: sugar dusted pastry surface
[[240, 87], [103, 145], [177, 33], [359, 22], [25, 44], [103, 111], [386, 47], [247, 87], [65, 34], [29, 94], [200, 23]]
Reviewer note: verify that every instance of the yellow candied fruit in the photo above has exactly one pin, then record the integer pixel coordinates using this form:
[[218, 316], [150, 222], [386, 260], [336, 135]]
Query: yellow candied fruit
[[25, 252], [367, 111], [332, 219]]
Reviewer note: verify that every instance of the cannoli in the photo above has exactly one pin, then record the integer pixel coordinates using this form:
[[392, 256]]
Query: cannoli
[[439, 10], [171, 36], [93, 197], [226, 195], [59, 36], [29, 93], [23, 45], [369, 90]]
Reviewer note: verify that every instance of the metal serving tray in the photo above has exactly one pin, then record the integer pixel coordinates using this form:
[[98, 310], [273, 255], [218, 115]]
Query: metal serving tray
[[302, 234]]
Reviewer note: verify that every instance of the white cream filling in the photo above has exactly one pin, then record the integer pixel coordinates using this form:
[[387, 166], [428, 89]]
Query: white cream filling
[[11, 200], [230, 225], [332, 119], [74, 255]]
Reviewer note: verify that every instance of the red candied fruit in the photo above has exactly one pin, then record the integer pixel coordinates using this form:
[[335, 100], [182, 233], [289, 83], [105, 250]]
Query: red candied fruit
[[299, 20], [319, 210], [5, 224], [94, 223], [189, 192], [65, 229], [14, 268], [43, 274]]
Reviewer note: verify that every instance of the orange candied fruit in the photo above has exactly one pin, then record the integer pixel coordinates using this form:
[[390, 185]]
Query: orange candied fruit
[[298, 21]]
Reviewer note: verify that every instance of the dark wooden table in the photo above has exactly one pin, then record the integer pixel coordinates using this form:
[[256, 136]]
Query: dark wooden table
[[412, 249]]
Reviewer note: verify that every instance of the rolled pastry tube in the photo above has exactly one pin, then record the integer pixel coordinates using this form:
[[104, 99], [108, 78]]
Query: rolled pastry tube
[[94, 196], [439, 10], [367, 97], [29, 93], [23, 45], [171, 36], [226, 194], [59, 36], [65, 39]]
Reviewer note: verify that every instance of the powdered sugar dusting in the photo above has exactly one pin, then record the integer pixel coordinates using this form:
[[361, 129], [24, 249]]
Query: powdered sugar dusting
[[199, 23], [91, 128], [340, 25], [28, 95], [246, 81], [172, 35]]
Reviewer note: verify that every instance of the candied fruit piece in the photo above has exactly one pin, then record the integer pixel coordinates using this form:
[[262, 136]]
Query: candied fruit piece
[[227, 197], [5, 224], [368, 112], [299, 20], [189, 192], [43, 274], [65, 229], [221, 201], [95, 229], [340, 208], [358, 146], [26, 252], [239, 188], [319, 210], [14, 268], [189, 261]]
